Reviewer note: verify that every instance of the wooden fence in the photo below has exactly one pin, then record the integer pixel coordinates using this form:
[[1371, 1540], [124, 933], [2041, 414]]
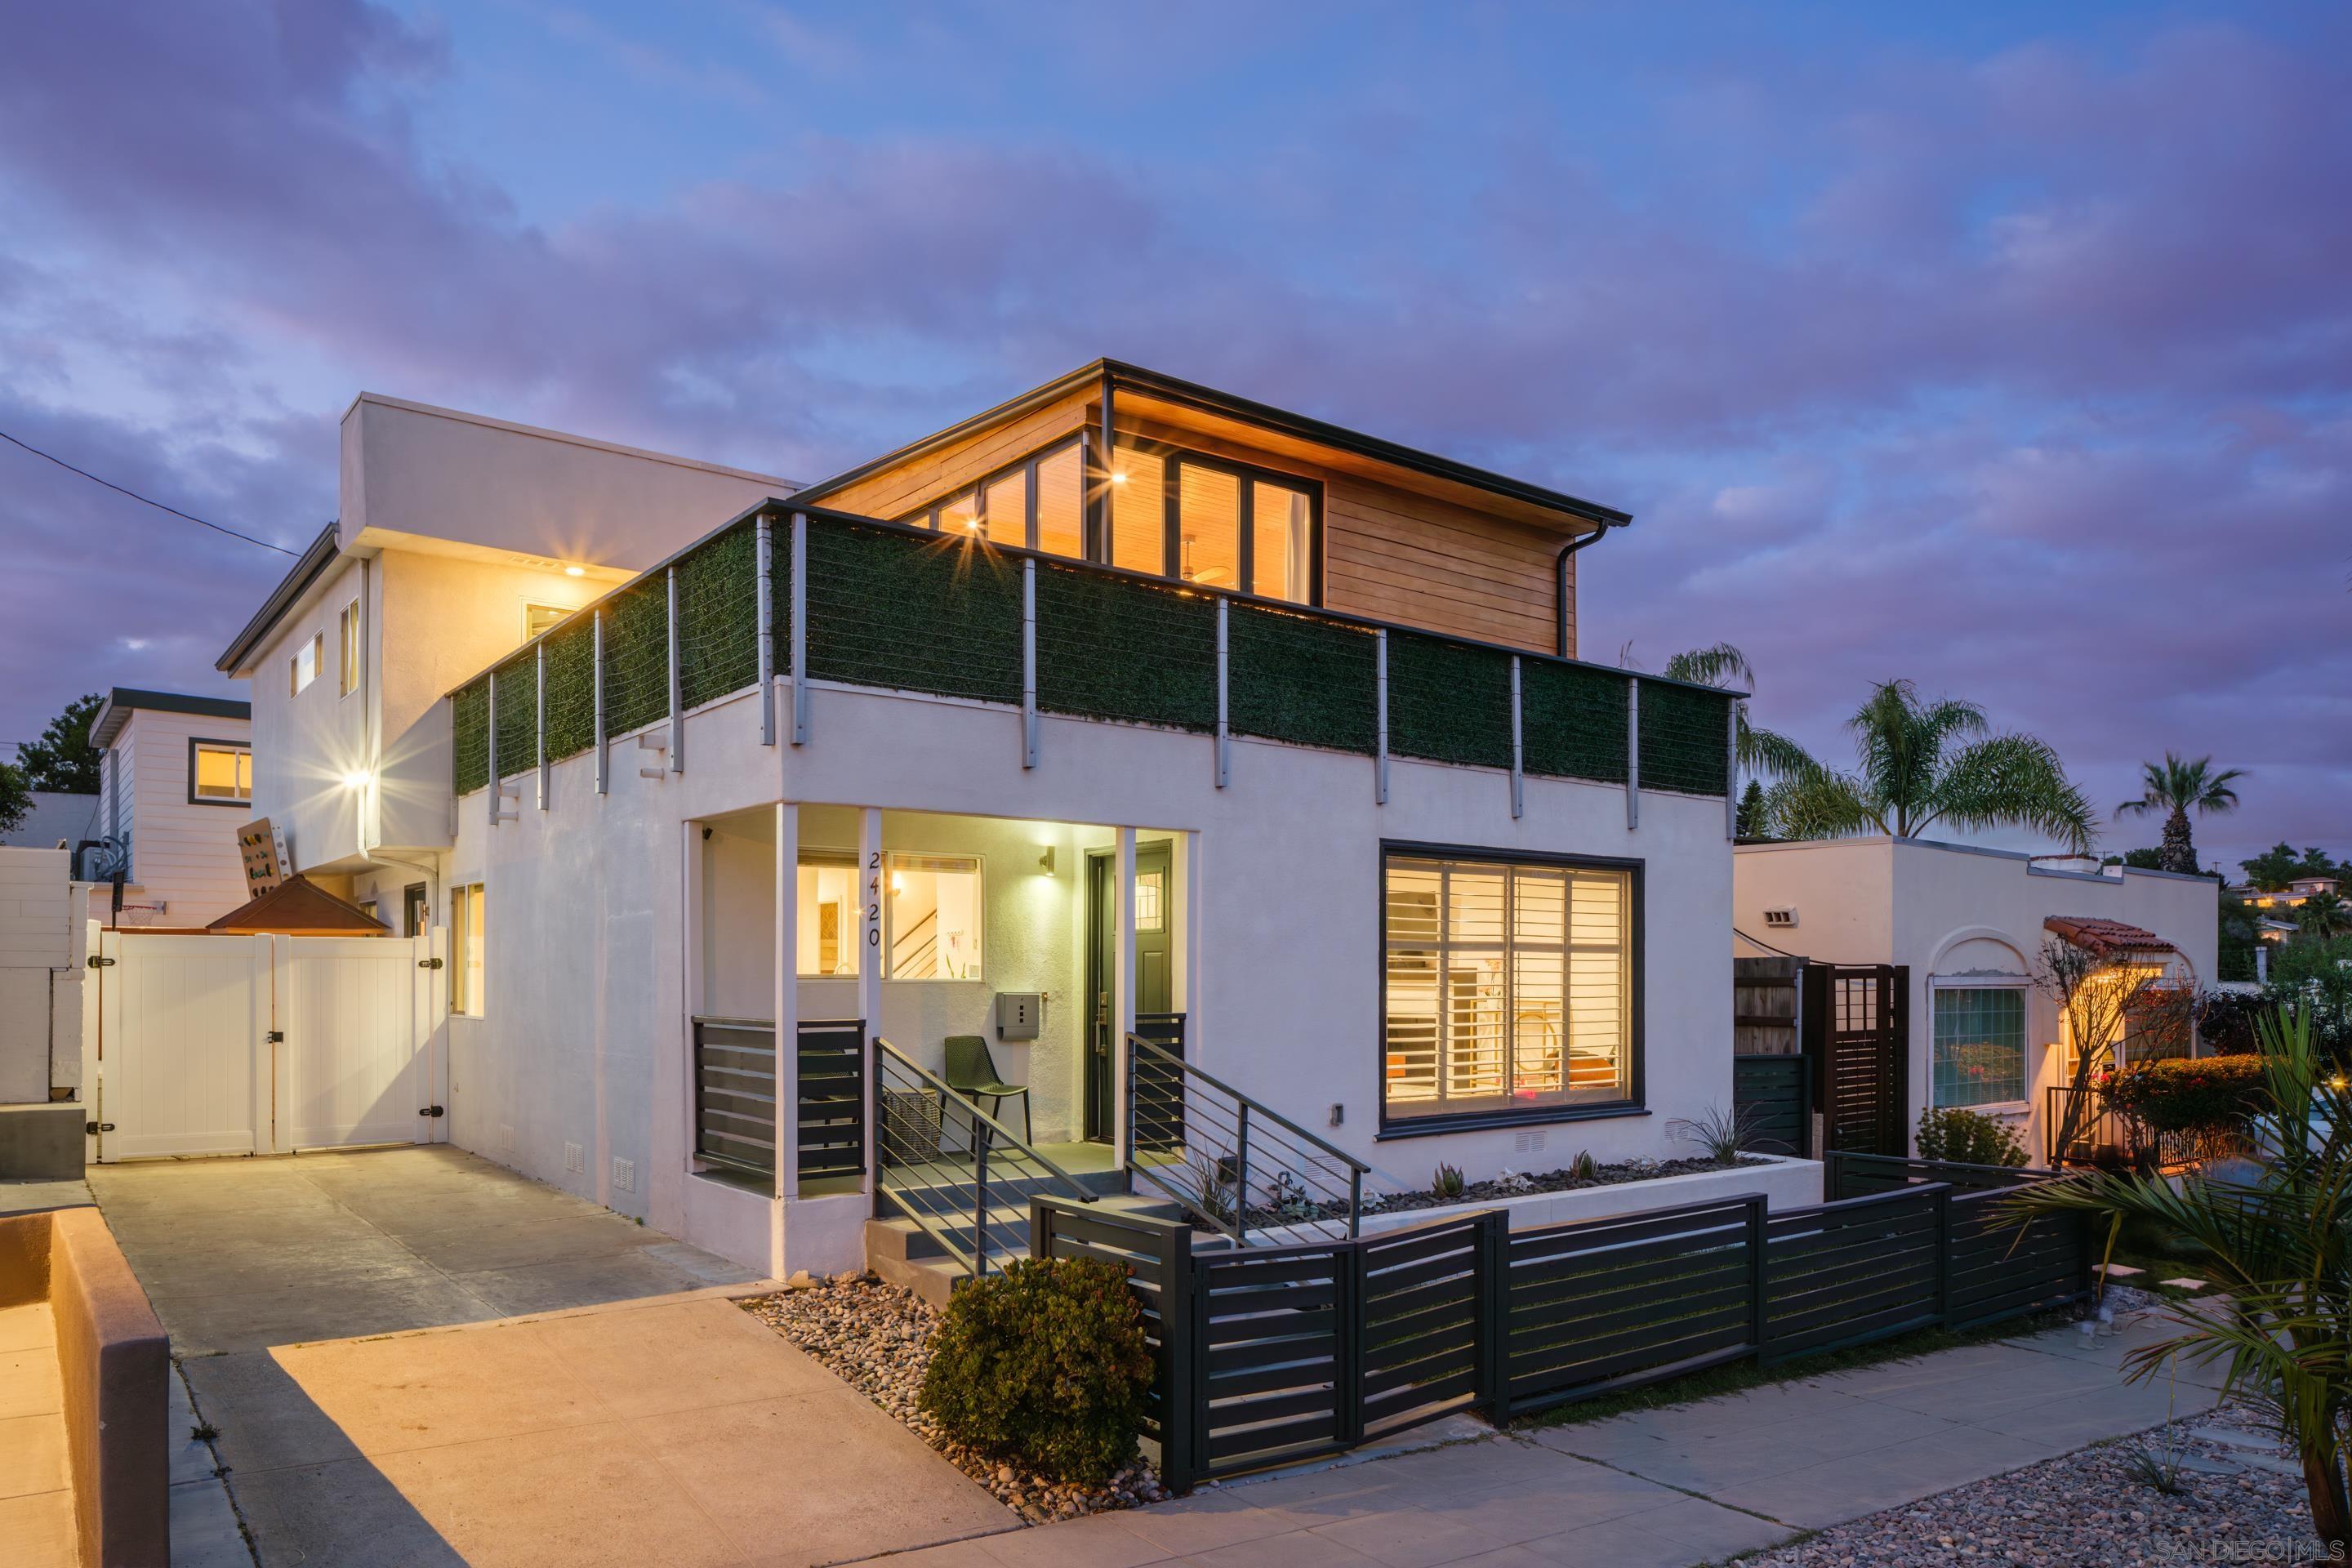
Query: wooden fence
[[1268, 1355]]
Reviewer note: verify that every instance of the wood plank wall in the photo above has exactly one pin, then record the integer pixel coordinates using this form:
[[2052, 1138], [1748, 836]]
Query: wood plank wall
[[1388, 553]]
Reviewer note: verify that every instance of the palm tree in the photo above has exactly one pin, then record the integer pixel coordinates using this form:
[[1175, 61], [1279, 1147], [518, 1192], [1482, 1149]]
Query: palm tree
[[2322, 914], [1925, 763], [2276, 1240], [2177, 787], [1763, 754]]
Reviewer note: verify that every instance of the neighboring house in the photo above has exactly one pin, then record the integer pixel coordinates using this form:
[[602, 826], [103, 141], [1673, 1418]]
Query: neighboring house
[[58, 816], [1971, 925], [2273, 908], [175, 783], [1126, 709]]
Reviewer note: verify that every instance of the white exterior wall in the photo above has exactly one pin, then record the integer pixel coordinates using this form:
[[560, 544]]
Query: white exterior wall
[[40, 979], [590, 978], [184, 854], [1954, 911]]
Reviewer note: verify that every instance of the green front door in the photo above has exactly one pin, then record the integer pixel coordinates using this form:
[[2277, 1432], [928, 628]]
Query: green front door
[[1155, 920]]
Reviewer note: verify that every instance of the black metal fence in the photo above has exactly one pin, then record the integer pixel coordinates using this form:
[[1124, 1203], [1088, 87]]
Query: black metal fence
[[1773, 1096], [1273, 1355], [735, 1096]]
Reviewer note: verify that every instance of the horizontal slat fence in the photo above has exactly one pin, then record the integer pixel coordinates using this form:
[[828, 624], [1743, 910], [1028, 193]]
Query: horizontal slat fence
[[894, 607], [1269, 1355], [735, 1096]]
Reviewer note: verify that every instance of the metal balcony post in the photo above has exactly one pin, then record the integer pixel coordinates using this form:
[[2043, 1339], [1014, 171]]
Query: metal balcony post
[[1632, 754], [800, 629], [1731, 773], [1519, 773], [491, 705], [763, 554], [1224, 706], [1240, 1177], [1029, 656], [540, 718]]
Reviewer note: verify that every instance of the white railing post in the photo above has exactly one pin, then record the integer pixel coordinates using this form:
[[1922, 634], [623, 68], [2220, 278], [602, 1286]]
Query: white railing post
[[1029, 663], [763, 554], [541, 719], [1225, 704], [1632, 752], [676, 689], [1518, 774], [800, 633], [603, 751], [1380, 716]]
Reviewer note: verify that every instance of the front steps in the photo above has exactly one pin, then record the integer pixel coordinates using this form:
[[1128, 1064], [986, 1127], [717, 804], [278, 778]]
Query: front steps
[[903, 1253]]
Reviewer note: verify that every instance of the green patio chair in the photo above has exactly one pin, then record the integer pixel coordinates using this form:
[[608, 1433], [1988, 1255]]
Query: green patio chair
[[971, 1072]]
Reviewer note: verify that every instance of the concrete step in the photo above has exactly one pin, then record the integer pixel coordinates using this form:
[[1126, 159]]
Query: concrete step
[[905, 1253]]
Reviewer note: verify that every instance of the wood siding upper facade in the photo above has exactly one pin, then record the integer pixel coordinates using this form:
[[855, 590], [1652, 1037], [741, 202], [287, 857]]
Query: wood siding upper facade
[[1395, 547]]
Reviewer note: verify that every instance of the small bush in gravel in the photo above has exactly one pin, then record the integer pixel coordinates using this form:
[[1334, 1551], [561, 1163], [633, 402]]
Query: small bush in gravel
[[1044, 1366], [1969, 1138], [2206, 1096]]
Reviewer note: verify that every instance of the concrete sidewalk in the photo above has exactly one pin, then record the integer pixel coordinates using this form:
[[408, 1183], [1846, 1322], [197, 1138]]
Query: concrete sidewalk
[[1664, 1489]]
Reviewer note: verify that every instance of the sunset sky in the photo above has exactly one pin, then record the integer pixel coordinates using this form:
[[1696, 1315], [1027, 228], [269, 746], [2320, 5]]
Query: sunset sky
[[2008, 351]]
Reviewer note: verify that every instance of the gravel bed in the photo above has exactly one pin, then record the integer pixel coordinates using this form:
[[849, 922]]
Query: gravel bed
[[2095, 1506], [1515, 1185], [876, 1339]]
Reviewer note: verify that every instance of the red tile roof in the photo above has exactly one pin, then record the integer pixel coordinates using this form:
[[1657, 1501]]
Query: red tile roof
[[2097, 934]]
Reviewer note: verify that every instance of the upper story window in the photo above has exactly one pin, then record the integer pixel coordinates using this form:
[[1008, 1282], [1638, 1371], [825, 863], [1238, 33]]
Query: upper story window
[[538, 618], [1169, 513], [348, 628], [303, 667], [220, 773]]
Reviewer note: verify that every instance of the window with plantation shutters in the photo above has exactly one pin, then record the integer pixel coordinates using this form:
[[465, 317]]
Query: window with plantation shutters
[[1507, 986]]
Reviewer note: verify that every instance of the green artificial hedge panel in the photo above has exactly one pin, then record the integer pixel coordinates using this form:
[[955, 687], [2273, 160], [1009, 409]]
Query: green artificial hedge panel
[[1449, 701], [515, 686], [1301, 679], [1686, 739], [719, 617], [636, 657], [1572, 720], [780, 592], [1116, 648], [920, 615], [470, 737], [572, 687]]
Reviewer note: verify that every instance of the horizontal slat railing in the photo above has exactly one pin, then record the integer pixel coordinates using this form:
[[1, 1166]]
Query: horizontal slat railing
[[880, 600], [1267, 1354], [963, 1177], [1234, 1163], [735, 1096]]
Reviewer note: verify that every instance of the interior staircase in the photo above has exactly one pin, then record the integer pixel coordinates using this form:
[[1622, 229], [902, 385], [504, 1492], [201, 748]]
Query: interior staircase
[[916, 1256]]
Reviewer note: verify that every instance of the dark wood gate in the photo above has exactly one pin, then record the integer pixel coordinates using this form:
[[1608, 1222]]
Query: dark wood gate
[[1771, 1074], [1856, 1025]]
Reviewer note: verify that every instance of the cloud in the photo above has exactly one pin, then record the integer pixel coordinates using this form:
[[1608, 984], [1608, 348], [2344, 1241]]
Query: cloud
[[2023, 372]]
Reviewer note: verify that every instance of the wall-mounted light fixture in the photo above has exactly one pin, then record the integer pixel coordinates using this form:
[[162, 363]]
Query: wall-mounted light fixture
[[1046, 861], [355, 779], [575, 571]]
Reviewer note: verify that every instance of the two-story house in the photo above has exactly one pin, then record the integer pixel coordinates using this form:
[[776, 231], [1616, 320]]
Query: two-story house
[[175, 783], [1208, 794]]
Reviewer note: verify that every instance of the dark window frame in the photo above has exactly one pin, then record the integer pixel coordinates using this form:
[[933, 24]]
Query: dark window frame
[[245, 746], [1636, 1101], [1095, 523]]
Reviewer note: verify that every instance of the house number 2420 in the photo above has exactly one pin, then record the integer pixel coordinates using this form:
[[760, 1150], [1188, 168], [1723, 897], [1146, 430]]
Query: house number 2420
[[873, 901]]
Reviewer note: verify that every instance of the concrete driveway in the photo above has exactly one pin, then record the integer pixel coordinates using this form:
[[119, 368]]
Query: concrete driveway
[[416, 1357]]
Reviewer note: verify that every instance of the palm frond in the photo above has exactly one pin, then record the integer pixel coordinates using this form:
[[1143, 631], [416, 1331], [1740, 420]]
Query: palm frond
[[1720, 664], [2011, 781], [1819, 804]]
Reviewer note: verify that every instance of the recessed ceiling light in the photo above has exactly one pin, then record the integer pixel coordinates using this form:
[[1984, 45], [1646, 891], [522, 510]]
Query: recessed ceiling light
[[575, 571]]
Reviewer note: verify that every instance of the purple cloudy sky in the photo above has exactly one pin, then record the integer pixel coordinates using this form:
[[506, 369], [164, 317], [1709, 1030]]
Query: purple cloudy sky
[[2010, 351]]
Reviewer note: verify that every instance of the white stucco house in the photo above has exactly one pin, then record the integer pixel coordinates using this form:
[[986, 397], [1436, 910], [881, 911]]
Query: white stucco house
[[1969, 924], [175, 783], [1132, 729]]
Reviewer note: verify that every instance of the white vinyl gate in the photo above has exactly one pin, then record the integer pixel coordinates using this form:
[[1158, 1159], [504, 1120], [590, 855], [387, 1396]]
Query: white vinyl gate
[[262, 1045]]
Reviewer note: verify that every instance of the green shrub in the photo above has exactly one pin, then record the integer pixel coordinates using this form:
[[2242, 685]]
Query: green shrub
[[1969, 1138], [2202, 1095], [1044, 1367]]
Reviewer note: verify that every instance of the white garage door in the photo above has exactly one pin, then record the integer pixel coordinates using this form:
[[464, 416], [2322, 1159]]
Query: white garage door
[[222, 1045]]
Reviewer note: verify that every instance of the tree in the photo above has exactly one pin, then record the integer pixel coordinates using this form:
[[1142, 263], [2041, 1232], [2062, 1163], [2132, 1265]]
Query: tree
[[2175, 787], [1924, 762], [2275, 868], [2274, 1239], [63, 758], [2323, 915], [1762, 752], [15, 797], [1752, 823], [2097, 1000], [2138, 859]]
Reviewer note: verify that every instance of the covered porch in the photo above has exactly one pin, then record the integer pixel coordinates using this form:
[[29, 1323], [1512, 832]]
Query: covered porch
[[914, 956]]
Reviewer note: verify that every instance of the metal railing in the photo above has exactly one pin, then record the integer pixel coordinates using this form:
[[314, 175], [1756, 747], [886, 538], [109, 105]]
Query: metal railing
[[2107, 1136], [1234, 1164], [963, 1176], [735, 1096]]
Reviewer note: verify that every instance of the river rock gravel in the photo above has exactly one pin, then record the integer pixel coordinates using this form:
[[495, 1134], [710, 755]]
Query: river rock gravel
[[2240, 1500], [876, 1338]]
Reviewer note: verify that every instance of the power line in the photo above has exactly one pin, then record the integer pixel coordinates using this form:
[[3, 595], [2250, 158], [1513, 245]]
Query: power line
[[134, 495]]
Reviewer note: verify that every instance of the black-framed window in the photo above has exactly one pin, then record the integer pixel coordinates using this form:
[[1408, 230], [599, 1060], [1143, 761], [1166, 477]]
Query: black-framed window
[[1510, 987], [1165, 511], [220, 773]]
